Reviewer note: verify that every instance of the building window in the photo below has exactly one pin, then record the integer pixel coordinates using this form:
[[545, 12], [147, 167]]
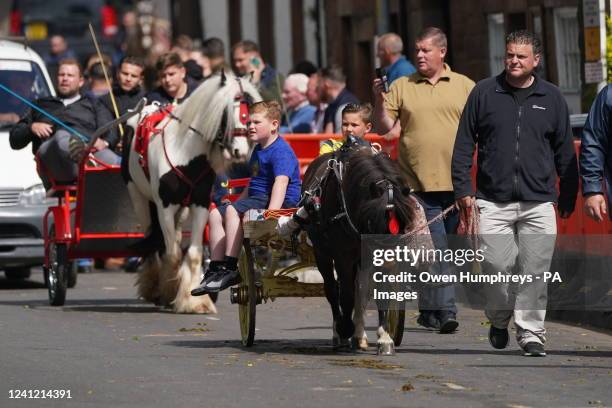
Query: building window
[[568, 52], [497, 43]]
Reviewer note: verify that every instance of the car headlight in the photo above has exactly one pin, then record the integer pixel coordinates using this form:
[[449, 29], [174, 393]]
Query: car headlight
[[34, 195]]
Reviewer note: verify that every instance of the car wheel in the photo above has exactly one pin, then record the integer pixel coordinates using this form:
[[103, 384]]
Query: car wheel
[[17, 273]]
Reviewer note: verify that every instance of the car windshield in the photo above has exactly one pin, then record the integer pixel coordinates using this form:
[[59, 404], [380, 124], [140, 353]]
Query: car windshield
[[26, 79]]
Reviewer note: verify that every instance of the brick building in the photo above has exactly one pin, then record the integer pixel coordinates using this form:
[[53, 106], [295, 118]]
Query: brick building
[[344, 32], [476, 31]]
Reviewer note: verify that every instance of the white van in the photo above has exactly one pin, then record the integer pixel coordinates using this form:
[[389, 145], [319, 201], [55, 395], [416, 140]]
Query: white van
[[22, 197]]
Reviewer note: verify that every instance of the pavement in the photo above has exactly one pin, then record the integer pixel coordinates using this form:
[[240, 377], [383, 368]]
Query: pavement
[[112, 350]]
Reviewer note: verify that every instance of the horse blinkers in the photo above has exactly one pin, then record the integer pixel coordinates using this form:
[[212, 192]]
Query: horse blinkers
[[243, 116], [393, 222]]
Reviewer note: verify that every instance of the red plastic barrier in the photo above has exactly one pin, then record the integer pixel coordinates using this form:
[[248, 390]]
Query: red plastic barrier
[[306, 147], [579, 224]]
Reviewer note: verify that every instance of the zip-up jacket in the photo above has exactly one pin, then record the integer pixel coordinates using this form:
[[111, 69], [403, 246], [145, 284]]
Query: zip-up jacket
[[85, 116], [519, 145], [596, 149]]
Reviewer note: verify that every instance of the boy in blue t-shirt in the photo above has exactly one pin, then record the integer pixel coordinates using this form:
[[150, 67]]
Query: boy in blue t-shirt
[[275, 183]]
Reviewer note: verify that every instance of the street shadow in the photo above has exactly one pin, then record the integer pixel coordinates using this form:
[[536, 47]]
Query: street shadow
[[130, 305], [323, 347], [29, 303], [569, 353], [135, 307], [368, 328], [538, 366], [12, 284], [308, 347]]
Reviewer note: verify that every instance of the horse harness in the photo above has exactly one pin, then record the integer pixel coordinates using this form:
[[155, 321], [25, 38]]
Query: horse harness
[[147, 130], [336, 165]]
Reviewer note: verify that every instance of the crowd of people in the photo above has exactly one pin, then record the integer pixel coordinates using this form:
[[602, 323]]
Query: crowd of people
[[518, 121]]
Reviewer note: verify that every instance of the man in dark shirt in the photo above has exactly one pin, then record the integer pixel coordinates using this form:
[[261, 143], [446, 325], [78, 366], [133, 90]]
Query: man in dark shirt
[[521, 125], [596, 157], [174, 87], [127, 93], [334, 92], [214, 49], [127, 90], [248, 61], [50, 141]]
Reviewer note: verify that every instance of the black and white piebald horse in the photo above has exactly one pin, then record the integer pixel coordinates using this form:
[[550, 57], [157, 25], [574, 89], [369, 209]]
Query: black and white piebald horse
[[199, 138]]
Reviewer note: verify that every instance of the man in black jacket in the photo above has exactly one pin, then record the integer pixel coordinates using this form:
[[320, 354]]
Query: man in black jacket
[[521, 126], [51, 141], [127, 92]]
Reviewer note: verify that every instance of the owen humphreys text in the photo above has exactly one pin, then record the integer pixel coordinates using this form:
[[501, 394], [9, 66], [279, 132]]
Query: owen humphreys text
[[414, 257]]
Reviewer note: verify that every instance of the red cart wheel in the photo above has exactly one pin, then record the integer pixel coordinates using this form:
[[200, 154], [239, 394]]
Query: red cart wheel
[[57, 271]]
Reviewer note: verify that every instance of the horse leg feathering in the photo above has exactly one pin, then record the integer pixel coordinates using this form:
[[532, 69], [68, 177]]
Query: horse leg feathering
[[189, 273]]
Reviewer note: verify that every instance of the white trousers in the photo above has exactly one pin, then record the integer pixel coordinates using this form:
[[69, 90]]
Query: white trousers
[[518, 238]]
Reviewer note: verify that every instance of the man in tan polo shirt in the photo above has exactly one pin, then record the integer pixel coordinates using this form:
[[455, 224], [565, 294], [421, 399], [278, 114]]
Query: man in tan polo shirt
[[428, 105]]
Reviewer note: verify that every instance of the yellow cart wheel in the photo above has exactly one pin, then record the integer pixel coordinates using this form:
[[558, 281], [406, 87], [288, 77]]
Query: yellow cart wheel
[[247, 294]]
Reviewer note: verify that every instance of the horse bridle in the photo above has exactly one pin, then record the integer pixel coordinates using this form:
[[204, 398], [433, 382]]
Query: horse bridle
[[389, 187], [337, 167], [220, 138], [243, 117]]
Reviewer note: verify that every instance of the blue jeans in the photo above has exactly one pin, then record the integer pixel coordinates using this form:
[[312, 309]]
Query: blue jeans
[[439, 298], [249, 203]]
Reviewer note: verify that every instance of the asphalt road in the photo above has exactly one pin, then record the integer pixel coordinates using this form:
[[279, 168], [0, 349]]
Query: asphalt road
[[111, 350]]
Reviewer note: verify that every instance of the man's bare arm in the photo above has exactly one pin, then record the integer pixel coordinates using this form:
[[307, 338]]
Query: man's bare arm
[[383, 122]]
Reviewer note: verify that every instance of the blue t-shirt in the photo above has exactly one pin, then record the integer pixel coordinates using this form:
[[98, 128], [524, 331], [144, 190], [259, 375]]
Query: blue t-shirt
[[278, 159], [401, 67]]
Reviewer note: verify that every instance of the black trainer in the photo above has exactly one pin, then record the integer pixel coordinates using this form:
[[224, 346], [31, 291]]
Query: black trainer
[[429, 321], [498, 337], [208, 275], [221, 280], [534, 349], [448, 322]]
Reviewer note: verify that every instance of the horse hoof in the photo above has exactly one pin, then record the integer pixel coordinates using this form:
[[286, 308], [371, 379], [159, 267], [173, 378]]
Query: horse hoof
[[359, 344], [341, 344], [386, 349]]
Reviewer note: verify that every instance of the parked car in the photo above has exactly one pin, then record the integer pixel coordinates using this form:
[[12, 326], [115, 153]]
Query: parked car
[[23, 201], [38, 20]]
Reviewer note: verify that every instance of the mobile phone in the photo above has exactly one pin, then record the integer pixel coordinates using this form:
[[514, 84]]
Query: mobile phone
[[381, 74], [256, 62]]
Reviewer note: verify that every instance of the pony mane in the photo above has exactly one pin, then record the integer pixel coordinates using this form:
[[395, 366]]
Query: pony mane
[[366, 192], [211, 104]]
